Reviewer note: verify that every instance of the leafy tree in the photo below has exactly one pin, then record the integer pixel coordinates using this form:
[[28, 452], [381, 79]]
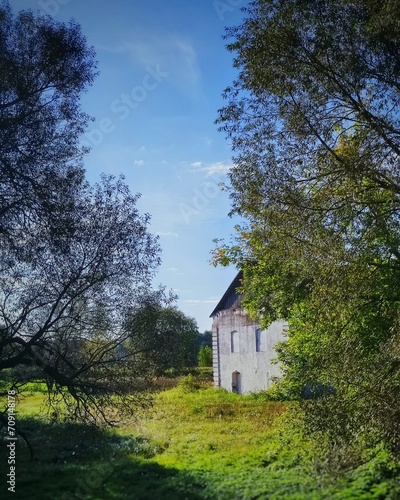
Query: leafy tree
[[51, 296], [205, 357], [205, 339], [74, 258], [164, 337], [44, 67], [314, 121]]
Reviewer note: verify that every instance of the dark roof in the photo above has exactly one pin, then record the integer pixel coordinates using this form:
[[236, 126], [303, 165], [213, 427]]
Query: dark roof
[[231, 292]]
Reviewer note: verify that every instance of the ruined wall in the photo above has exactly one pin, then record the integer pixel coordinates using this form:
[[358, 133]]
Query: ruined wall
[[247, 369]]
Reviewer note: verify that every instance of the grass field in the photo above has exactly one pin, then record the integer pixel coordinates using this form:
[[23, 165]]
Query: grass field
[[193, 444]]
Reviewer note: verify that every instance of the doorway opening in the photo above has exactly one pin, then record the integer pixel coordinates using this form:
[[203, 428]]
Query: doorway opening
[[236, 382]]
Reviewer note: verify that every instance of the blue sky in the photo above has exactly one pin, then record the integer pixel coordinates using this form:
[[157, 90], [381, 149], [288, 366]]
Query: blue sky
[[163, 67]]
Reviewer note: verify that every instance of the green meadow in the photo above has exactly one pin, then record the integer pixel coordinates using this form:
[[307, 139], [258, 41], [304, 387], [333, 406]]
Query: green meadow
[[195, 442]]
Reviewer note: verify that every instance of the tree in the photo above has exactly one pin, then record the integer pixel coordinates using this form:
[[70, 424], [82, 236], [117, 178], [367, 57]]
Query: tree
[[51, 296], [205, 339], [314, 122], [44, 67], [204, 356], [74, 258], [164, 336]]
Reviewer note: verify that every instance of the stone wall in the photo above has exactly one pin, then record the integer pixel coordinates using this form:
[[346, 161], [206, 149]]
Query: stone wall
[[245, 368]]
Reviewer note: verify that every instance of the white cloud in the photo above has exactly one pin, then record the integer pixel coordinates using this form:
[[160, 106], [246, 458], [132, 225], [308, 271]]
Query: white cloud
[[138, 162], [195, 301], [168, 234], [211, 169], [217, 168]]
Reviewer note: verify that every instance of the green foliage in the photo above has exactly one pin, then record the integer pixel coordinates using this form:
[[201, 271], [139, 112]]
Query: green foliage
[[205, 356], [189, 384], [75, 257], [162, 337], [205, 338], [208, 444], [197, 378], [204, 373], [314, 121]]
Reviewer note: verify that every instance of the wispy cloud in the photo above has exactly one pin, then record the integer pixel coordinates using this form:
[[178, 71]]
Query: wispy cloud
[[217, 168], [196, 301], [174, 53], [168, 234]]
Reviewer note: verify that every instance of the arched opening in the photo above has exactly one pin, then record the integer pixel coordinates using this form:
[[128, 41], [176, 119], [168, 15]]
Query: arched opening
[[236, 382]]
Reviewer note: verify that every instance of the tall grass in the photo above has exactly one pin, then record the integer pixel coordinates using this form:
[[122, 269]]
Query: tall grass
[[196, 442]]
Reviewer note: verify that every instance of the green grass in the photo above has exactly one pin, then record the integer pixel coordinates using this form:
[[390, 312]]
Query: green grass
[[193, 444]]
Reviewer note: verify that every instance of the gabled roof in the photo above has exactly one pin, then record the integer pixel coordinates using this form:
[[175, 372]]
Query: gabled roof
[[231, 293]]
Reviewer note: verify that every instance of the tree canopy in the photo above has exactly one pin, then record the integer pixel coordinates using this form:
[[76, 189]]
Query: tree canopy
[[164, 336], [44, 68], [313, 118], [74, 258]]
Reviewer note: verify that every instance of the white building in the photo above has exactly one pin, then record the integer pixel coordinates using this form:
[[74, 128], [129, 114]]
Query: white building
[[243, 354]]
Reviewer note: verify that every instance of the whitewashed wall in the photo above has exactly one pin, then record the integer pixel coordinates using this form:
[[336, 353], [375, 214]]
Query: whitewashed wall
[[255, 369]]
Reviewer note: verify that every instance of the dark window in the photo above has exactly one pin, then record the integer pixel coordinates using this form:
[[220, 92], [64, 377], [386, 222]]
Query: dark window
[[259, 340], [234, 341]]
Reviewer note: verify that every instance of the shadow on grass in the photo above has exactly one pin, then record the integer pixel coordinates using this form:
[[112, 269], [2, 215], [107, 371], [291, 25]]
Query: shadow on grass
[[74, 461]]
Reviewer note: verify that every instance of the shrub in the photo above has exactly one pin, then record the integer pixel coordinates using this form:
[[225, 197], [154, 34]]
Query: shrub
[[205, 356], [189, 384]]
